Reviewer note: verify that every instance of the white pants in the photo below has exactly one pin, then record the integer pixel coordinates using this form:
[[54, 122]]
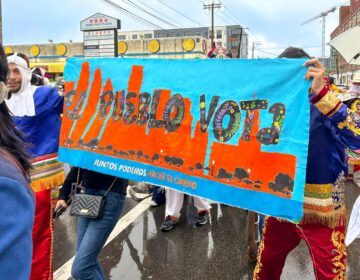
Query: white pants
[[175, 200]]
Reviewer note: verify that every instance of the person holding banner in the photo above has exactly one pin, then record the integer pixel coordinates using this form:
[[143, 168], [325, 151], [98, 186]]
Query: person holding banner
[[93, 233], [17, 206], [332, 130], [36, 113]]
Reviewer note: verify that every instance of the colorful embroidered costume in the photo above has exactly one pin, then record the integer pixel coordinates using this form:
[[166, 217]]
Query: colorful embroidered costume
[[42, 130], [332, 130], [354, 156]]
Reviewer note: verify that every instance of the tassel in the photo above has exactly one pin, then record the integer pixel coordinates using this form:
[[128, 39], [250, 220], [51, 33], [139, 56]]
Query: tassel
[[332, 219], [48, 182]]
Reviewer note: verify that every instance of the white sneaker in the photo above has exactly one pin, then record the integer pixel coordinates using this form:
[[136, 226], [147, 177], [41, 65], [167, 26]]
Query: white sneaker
[[153, 203]]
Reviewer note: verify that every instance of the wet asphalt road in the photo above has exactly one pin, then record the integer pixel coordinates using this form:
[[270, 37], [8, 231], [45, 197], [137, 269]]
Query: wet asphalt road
[[214, 251]]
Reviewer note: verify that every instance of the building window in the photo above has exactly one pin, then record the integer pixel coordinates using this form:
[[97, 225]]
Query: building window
[[148, 36], [234, 33], [234, 44], [122, 37], [218, 34], [134, 36]]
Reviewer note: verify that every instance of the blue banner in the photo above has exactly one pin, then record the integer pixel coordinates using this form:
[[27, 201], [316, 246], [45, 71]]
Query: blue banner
[[233, 131]]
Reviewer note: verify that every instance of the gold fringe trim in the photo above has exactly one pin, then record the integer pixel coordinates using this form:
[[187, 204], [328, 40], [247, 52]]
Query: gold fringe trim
[[48, 183], [332, 219]]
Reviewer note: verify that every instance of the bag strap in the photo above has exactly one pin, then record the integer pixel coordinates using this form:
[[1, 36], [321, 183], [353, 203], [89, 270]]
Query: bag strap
[[78, 179], [78, 176], [76, 186], [112, 184]]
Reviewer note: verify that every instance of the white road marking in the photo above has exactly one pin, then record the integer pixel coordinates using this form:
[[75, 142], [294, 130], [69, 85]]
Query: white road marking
[[63, 273]]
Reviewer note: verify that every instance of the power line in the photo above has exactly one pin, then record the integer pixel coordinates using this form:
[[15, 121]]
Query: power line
[[235, 18], [259, 50], [149, 7], [306, 47], [180, 13], [136, 6], [224, 18], [130, 14]]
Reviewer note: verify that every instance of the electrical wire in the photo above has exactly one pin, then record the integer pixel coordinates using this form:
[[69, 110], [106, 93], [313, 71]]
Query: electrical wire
[[136, 6], [149, 7], [260, 50], [306, 47], [235, 18], [130, 14], [224, 19], [180, 13]]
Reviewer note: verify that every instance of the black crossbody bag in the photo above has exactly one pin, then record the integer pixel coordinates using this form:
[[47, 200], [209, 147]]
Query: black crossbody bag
[[87, 205]]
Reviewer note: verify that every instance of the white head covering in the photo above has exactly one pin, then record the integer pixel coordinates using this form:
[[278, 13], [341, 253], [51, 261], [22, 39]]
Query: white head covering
[[21, 103]]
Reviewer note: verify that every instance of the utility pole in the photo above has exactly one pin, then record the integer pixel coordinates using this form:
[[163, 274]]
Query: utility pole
[[240, 39], [254, 44], [212, 6]]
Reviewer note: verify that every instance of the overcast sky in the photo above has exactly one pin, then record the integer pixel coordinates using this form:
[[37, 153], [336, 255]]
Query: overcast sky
[[275, 23]]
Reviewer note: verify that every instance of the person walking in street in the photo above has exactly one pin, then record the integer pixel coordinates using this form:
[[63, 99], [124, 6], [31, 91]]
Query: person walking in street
[[322, 227], [36, 113], [157, 196], [93, 233], [17, 207], [174, 203]]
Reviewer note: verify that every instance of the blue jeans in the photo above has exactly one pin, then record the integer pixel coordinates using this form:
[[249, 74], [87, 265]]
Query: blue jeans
[[158, 195], [92, 235]]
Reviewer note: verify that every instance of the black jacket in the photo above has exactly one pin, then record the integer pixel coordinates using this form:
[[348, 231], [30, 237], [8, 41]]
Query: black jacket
[[91, 180]]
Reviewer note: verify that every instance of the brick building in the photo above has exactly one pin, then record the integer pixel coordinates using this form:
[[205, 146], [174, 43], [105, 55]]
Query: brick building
[[349, 16]]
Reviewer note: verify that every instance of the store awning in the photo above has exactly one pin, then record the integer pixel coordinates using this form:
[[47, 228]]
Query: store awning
[[51, 67], [348, 46]]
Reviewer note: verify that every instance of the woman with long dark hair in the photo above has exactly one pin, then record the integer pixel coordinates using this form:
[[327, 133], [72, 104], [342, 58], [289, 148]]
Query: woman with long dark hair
[[17, 203]]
